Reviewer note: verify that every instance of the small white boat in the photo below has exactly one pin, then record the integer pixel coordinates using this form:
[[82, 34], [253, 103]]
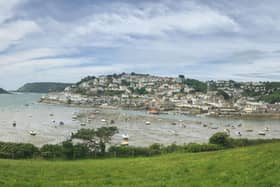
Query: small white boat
[[227, 131], [103, 120], [125, 139], [266, 129], [238, 133], [148, 123], [125, 136], [261, 133], [32, 133]]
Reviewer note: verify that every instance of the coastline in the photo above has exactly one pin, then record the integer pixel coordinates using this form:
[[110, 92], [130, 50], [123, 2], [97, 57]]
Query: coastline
[[273, 116]]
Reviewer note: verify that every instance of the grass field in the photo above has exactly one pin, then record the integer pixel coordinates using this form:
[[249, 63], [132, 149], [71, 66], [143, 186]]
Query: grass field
[[250, 166]]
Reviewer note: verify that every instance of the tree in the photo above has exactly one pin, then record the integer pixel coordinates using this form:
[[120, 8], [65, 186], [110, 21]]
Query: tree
[[96, 140], [182, 76], [67, 149], [220, 138], [51, 151], [224, 94]]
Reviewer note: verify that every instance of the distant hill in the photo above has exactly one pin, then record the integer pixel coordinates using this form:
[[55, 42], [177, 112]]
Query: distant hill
[[2, 91], [43, 87]]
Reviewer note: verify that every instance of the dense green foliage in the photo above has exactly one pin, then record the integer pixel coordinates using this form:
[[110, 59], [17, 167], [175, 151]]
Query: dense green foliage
[[43, 87], [249, 166], [17, 150], [88, 78], [96, 139], [157, 149], [94, 142], [138, 91], [196, 85], [220, 138], [272, 98], [224, 94]]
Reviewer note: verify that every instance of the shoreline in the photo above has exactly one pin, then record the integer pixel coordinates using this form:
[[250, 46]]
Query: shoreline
[[265, 116], [170, 127]]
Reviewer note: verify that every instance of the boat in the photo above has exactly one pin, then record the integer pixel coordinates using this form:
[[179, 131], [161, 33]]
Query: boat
[[262, 133], [239, 125], [173, 123], [153, 112], [266, 129], [148, 123], [249, 130], [238, 133], [215, 127], [227, 131], [125, 139], [83, 124], [74, 117], [103, 120], [32, 133], [125, 136], [61, 123], [14, 124]]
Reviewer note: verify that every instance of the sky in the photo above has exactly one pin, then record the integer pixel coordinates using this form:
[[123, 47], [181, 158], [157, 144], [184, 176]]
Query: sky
[[65, 40]]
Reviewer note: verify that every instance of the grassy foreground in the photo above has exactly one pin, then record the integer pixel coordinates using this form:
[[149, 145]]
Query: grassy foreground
[[248, 166]]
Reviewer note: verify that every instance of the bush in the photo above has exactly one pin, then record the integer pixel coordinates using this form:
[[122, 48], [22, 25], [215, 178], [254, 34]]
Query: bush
[[67, 149], [18, 150], [51, 151], [127, 151], [193, 147], [155, 149], [220, 138], [172, 148], [81, 151]]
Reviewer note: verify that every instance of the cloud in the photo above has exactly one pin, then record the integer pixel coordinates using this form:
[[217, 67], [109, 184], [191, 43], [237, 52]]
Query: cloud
[[12, 33], [66, 40], [132, 22]]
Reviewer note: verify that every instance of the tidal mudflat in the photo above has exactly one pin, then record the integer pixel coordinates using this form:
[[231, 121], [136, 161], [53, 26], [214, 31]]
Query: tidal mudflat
[[143, 129]]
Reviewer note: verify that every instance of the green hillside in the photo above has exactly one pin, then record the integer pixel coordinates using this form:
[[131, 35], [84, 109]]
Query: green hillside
[[249, 166], [2, 91], [43, 87]]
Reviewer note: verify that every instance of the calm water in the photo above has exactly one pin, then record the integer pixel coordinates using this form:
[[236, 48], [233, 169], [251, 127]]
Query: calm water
[[30, 115]]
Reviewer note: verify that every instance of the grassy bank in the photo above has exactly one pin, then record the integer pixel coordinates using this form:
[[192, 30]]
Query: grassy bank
[[248, 166]]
